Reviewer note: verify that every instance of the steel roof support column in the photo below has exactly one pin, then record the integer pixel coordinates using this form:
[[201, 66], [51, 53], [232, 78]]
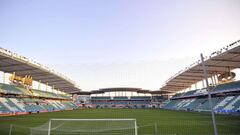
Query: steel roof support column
[[212, 81], [39, 84], [209, 96], [52, 88], [47, 87], [4, 77], [203, 84], [214, 78], [217, 79]]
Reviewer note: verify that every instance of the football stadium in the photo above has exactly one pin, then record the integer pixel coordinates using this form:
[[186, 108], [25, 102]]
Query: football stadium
[[66, 109], [119, 67]]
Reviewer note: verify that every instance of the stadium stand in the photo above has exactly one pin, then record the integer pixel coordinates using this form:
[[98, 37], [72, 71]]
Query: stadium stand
[[16, 100], [11, 89], [120, 98], [121, 101], [141, 98], [20, 97], [228, 87], [226, 99]]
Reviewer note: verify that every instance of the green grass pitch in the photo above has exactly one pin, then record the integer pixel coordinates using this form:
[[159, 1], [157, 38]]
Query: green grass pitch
[[167, 122]]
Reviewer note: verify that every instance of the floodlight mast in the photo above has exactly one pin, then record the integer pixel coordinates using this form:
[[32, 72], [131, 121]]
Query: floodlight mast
[[209, 95]]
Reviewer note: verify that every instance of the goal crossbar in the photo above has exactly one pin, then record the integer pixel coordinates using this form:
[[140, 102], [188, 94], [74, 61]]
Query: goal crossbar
[[93, 119]]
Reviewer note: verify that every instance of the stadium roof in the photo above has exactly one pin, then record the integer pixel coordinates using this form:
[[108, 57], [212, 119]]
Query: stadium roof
[[101, 91], [11, 62], [224, 60], [122, 89]]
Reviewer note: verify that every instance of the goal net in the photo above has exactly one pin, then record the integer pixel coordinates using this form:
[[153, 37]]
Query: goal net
[[87, 127]]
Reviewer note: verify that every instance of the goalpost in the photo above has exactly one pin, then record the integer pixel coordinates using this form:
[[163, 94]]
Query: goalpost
[[87, 127]]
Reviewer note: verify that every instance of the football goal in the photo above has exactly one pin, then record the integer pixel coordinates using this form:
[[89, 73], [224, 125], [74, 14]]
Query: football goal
[[87, 127]]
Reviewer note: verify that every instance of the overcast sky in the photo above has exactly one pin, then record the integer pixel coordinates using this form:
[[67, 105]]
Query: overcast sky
[[118, 43]]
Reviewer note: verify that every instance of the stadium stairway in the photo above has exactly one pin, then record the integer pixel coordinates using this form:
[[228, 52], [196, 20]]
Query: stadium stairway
[[233, 105], [3, 108], [223, 103], [17, 103], [9, 105]]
